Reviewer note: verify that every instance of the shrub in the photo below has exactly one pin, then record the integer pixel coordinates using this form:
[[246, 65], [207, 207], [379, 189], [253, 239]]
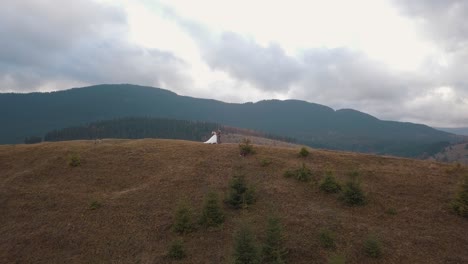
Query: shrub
[[352, 193], [183, 222], [391, 211], [249, 196], [301, 174], [245, 147], [245, 249], [74, 160], [303, 152], [212, 214], [329, 184], [327, 238], [337, 259], [95, 205], [273, 250], [265, 162], [176, 250], [460, 203], [239, 194], [373, 247]]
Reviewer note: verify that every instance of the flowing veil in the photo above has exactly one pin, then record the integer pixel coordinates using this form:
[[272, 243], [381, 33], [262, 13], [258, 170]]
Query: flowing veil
[[213, 139]]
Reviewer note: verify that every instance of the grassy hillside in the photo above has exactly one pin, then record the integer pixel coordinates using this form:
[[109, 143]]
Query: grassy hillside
[[118, 205], [312, 124]]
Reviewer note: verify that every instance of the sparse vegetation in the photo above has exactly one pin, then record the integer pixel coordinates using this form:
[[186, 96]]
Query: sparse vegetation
[[329, 184], [301, 174], [273, 250], [245, 248], [139, 183], [245, 147], [183, 219], [337, 259], [391, 211], [352, 192], [289, 173], [240, 195], [95, 205], [74, 160], [265, 162], [303, 152], [212, 214], [373, 247], [327, 238], [460, 203], [176, 250]]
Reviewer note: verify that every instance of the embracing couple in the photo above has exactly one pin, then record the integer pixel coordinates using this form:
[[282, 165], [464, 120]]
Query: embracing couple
[[215, 138]]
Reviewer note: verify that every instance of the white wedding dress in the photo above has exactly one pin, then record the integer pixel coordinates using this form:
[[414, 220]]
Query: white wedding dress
[[213, 140]]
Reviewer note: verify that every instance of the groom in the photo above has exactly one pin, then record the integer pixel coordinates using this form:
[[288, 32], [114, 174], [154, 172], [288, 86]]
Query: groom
[[218, 136]]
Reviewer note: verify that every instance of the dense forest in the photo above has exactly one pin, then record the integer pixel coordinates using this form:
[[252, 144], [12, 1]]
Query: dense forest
[[135, 128], [35, 114], [146, 127]]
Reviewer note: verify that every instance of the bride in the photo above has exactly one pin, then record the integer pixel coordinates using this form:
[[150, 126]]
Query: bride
[[213, 139]]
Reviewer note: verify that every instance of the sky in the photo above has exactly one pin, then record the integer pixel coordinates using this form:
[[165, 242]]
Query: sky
[[394, 59]]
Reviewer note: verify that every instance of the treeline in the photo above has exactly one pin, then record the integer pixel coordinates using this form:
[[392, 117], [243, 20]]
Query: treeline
[[145, 127], [134, 128]]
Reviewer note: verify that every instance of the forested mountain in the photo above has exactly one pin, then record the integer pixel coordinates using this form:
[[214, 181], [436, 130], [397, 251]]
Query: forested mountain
[[146, 127], [316, 125]]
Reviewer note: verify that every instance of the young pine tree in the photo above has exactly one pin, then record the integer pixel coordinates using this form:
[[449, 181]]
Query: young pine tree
[[273, 250], [329, 184], [176, 250], [353, 194], [245, 249], [183, 220], [460, 203], [212, 214], [240, 195], [373, 247]]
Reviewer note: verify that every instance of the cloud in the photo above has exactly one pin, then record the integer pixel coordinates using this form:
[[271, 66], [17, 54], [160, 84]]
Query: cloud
[[444, 21], [337, 77], [327, 74], [51, 42], [324, 71], [267, 68]]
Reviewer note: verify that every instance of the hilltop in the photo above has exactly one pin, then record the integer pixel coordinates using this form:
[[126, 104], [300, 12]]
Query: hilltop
[[48, 217], [311, 124]]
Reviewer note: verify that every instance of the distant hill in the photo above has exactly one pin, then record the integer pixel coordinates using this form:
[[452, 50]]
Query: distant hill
[[119, 204], [455, 130], [316, 125]]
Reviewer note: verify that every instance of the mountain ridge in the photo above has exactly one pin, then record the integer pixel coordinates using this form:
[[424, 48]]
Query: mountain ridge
[[312, 124]]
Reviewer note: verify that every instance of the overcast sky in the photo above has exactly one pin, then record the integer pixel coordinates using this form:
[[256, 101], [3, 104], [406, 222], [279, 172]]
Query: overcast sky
[[395, 59]]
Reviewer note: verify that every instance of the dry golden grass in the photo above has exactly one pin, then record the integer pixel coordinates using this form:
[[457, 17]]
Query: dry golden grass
[[46, 216]]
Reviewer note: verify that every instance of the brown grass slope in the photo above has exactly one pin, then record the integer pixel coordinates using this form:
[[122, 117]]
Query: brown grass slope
[[45, 214]]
